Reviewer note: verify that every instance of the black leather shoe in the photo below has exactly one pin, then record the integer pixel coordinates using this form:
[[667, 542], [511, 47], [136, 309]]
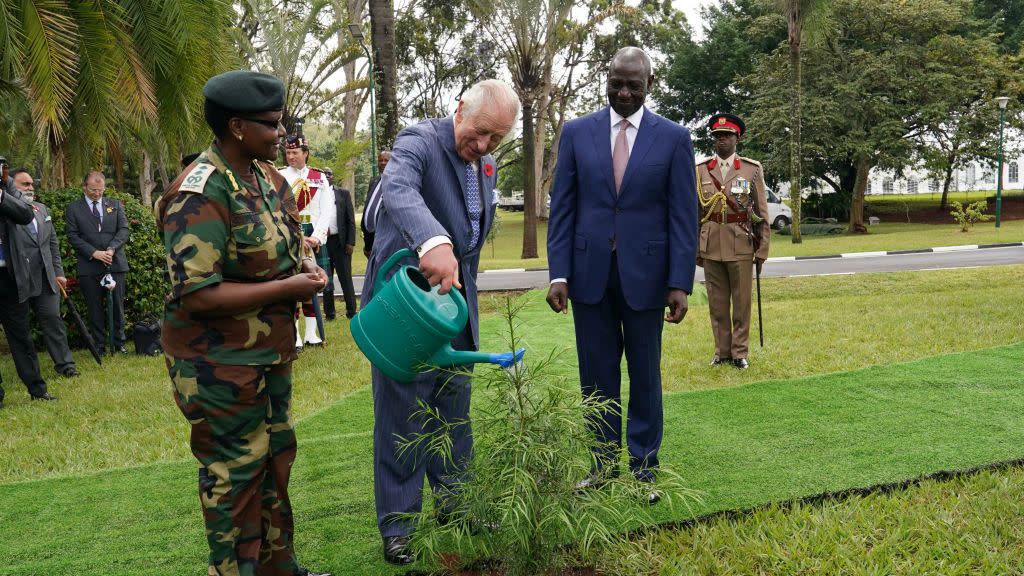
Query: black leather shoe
[[44, 396], [717, 361], [70, 372], [307, 572], [396, 550], [596, 480], [741, 363]]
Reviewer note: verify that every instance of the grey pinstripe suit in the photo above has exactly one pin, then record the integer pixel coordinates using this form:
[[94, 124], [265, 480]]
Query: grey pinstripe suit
[[423, 195]]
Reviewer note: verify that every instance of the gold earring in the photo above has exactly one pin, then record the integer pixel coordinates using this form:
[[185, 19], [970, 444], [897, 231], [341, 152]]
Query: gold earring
[[241, 137]]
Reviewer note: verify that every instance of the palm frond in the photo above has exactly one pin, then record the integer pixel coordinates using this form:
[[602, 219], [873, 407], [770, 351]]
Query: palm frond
[[50, 64]]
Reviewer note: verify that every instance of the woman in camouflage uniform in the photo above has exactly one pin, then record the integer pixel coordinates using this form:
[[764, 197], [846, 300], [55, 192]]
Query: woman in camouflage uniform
[[233, 245]]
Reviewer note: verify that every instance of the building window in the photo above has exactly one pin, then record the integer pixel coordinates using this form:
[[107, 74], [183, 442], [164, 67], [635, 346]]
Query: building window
[[970, 176], [933, 185], [912, 186], [988, 177], [869, 187], [887, 186], [1014, 171]]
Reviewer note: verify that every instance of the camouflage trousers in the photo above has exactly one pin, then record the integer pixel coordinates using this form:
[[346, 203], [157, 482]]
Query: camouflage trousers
[[243, 438]]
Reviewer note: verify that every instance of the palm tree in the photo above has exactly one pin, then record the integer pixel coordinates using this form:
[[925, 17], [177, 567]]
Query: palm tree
[[93, 73], [294, 43], [385, 69], [526, 33], [799, 14]]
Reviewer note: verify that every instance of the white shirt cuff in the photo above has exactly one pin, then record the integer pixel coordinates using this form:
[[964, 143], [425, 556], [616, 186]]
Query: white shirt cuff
[[432, 243], [562, 280]]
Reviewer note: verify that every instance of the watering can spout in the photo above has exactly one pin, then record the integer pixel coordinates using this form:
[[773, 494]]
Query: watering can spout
[[447, 356]]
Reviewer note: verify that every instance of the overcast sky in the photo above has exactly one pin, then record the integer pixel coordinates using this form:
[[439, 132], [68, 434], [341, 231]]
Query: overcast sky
[[692, 10]]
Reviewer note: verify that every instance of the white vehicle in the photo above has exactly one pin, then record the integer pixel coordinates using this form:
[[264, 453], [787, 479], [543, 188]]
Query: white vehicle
[[779, 214]]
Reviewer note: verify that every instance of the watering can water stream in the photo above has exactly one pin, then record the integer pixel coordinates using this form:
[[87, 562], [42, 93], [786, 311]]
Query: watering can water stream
[[406, 327]]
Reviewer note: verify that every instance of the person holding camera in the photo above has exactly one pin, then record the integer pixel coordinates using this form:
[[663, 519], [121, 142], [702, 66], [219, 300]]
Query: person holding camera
[[98, 230]]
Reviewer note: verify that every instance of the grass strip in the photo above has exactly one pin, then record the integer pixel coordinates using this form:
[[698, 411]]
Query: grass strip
[[771, 441]]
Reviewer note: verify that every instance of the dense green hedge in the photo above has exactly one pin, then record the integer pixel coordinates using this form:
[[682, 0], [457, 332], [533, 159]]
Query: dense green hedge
[[146, 284]]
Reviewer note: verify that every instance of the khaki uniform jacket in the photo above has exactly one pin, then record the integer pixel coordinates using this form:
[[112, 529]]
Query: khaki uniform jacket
[[729, 242]]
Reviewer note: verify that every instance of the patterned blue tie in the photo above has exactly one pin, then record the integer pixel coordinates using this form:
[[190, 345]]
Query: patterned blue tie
[[473, 203]]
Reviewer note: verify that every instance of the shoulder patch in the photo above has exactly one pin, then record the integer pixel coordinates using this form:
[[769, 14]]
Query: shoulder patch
[[705, 161], [196, 179], [749, 161]]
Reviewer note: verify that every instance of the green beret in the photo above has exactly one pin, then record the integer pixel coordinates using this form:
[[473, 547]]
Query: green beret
[[245, 91]]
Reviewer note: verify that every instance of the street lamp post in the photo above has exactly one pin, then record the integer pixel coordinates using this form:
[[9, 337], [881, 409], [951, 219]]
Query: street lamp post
[[1002, 100], [357, 33]]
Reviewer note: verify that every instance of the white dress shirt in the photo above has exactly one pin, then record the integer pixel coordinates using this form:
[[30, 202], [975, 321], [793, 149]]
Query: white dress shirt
[[631, 131]]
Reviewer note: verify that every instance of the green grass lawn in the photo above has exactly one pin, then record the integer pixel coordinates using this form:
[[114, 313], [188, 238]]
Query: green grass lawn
[[106, 477], [507, 248]]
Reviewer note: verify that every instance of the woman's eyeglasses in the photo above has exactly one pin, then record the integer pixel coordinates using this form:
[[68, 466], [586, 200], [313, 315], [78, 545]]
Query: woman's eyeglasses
[[272, 124]]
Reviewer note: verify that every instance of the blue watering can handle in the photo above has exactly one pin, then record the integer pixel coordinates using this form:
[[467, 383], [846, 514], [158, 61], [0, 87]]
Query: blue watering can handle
[[388, 265]]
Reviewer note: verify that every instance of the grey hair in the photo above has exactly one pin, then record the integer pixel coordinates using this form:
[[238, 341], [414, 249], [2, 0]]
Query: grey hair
[[630, 52], [500, 96]]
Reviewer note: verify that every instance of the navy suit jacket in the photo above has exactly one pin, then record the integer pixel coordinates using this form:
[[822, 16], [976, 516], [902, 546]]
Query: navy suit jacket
[[652, 221], [422, 196]]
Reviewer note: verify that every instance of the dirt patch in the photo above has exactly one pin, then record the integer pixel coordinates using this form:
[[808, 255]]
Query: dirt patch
[[1013, 209]]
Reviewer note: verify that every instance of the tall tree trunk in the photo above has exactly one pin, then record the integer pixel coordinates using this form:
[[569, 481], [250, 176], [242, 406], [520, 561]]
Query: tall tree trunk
[[529, 180], [146, 182], [117, 159], [382, 24], [945, 187], [857, 210], [795, 152]]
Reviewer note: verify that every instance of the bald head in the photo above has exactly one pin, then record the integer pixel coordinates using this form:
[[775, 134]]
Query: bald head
[[629, 80]]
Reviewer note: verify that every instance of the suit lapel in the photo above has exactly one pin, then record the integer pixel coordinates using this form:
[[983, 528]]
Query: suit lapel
[[644, 139], [601, 130]]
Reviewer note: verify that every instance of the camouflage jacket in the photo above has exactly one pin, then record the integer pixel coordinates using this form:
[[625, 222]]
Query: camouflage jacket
[[218, 228]]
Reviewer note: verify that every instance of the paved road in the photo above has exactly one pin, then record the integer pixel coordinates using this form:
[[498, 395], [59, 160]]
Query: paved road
[[851, 264]]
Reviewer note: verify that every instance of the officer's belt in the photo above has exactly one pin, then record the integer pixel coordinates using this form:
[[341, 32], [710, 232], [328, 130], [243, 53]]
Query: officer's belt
[[730, 218]]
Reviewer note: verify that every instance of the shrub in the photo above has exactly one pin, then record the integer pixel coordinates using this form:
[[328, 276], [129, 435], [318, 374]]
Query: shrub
[[146, 283], [519, 505], [967, 216]]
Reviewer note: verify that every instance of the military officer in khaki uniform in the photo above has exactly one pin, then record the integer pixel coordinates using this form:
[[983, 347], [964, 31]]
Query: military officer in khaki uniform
[[733, 237]]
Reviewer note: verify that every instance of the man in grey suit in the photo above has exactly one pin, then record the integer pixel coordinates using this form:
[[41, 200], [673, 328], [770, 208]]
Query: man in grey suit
[[98, 229], [436, 197], [13, 305], [37, 244]]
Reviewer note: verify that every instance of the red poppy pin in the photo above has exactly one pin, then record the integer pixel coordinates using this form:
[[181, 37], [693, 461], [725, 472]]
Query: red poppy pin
[[489, 170]]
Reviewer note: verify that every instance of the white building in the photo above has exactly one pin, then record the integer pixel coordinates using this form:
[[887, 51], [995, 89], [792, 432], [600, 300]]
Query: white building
[[976, 176]]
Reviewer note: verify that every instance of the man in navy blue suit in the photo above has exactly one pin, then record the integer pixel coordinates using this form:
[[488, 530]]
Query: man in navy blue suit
[[437, 198], [621, 247]]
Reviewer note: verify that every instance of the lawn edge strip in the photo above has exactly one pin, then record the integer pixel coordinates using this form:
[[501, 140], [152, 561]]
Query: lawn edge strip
[[833, 496]]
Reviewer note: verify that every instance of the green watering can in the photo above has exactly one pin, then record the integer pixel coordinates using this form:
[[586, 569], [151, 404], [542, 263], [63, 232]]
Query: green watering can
[[406, 327]]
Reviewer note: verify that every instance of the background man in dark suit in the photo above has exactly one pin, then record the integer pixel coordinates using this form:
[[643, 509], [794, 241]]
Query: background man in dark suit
[[435, 199], [341, 243], [367, 222], [13, 305], [621, 246], [38, 246], [98, 229]]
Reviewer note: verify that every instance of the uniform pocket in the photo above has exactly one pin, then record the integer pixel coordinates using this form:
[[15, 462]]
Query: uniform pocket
[[248, 229], [743, 245], [705, 232], [581, 242]]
